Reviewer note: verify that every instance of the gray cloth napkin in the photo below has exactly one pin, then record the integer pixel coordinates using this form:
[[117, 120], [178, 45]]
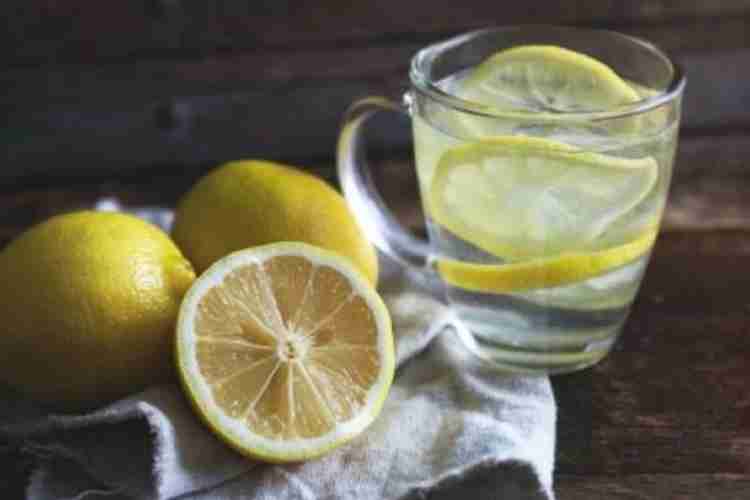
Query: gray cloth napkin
[[449, 426]]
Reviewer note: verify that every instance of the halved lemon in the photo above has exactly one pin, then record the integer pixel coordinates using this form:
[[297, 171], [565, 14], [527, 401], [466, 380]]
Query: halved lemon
[[520, 197], [285, 350]]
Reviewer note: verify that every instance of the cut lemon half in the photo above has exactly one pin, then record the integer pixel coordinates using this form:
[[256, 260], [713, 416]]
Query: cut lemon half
[[521, 197], [285, 350], [547, 78], [561, 270]]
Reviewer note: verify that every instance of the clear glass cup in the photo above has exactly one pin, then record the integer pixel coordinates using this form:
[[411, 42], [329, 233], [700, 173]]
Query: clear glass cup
[[540, 217]]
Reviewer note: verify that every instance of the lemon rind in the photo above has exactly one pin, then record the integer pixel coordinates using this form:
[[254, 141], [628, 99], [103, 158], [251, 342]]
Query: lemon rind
[[236, 434]]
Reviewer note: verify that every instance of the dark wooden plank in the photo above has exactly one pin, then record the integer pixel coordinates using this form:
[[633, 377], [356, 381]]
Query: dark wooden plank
[[696, 242], [672, 397], [673, 394], [85, 30], [286, 123], [714, 90], [694, 285], [714, 76], [275, 72], [669, 451], [124, 116], [684, 34], [654, 487]]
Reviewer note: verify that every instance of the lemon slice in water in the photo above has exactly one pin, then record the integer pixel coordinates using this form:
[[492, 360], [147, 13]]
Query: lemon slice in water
[[526, 197], [546, 81], [285, 350], [566, 268], [546, 78], [554, 213]]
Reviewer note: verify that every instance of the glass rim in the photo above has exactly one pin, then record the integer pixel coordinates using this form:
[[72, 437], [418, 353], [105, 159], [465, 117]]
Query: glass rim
[[428, 87]]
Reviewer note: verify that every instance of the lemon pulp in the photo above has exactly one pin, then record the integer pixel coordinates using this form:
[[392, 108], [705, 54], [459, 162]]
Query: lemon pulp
[[286, 351], [524, 197]]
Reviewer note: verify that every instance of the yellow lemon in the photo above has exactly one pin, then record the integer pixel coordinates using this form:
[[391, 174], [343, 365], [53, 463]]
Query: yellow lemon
[[548, 78], [249, 203], [519, 197], [89, 302], [285, 350], [548, 209], [563, 269]]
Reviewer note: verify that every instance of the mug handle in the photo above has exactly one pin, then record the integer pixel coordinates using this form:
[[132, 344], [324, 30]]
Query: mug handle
[[376, 219]]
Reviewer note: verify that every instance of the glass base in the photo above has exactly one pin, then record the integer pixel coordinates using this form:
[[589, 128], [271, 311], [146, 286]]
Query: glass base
[[502, 348]]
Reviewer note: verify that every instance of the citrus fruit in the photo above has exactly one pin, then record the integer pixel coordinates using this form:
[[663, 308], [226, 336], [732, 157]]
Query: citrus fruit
[[547, 78], [519, 197], [285, 350], [250, 203], [89, 302], [563, 269], [530, 85]]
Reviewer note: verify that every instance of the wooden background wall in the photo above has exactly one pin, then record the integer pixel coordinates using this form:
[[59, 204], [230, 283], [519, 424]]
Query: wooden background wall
[[92, 88]]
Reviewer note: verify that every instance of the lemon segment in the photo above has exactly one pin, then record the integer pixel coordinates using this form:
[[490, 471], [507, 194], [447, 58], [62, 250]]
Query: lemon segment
[[543, 273], [285, 350]]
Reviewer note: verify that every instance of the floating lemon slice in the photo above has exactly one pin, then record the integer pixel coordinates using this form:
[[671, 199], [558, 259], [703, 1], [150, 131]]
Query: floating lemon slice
[[546, 81], [561, 270], [547, 78], [285, 350], [525, 197]]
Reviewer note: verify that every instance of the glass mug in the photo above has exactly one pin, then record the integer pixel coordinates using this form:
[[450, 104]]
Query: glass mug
[[543, 192]]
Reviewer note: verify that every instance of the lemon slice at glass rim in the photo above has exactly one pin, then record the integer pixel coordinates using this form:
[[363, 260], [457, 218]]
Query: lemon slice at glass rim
[[546, 78], [546, 83], [519, 197], [285, 350]]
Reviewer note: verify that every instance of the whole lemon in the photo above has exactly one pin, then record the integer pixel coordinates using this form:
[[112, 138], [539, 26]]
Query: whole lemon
[[89, 302], [249, 203]]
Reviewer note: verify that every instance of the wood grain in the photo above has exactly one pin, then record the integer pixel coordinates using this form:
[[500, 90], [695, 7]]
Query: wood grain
[[126, 116], [672, 396], [38, 32], [654, 487]]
